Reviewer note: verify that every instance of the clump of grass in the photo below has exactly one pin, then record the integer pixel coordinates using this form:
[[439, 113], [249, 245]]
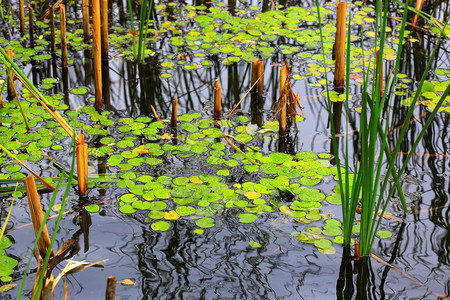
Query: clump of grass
[[366, 188]]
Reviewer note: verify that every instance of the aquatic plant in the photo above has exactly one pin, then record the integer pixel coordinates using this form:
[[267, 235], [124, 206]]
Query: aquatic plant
[[365, 187]]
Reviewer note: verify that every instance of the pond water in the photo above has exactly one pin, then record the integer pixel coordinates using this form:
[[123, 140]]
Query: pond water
[[210, 254]]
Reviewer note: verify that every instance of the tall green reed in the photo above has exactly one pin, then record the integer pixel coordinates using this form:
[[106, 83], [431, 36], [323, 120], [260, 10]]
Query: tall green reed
[[366, 186], [144, 19]]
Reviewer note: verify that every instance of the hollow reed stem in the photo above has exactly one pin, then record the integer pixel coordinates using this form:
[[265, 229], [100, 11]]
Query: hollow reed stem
[[104, 28], [339, 67], [62, 9], [96, 46]]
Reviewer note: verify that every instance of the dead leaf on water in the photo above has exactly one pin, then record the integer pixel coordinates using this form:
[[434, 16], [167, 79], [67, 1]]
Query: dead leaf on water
[[127, 282]]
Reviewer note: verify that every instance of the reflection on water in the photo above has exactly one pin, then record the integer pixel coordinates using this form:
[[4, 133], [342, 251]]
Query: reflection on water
[[220, 264]]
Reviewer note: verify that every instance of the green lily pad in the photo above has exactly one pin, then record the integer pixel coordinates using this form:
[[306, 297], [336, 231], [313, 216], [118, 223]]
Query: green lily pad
[[254, 244], [247, 218], [160, 226], [205, 222]]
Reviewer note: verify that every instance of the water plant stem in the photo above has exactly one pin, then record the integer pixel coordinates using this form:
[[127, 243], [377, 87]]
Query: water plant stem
[[339, 66], [283, 101], [52, 30], [217, 100], [260, 77], [85, 12], [104, 28], [254, 74], [37, 215], [22, 17], [31, 26], [96, 52], [82, 165], [10, 85], [173, 120], [62, 9], [111, 288], [22, 112]]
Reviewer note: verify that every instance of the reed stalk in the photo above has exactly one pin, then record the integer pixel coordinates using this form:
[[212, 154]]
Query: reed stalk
[[367, 187], [419, 5], [111, 288], [145, 16], [217, 100], [52, 30], [10, 85], [173, 120], [31, 25], [254, 75], [339, 66], [85, 12], [62, 9], [96, 52], [1, 101], [23, 113], [283, 101], [379, 71], [82, 165], [260, 77], [37, 215], [104, 28], [22, 17]]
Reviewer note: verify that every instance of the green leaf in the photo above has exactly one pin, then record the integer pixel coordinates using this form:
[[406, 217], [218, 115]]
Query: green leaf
[[384, 234], [247, 218], [254, 244], [205, 222], [92, 208], [160, 226], [323, 243]]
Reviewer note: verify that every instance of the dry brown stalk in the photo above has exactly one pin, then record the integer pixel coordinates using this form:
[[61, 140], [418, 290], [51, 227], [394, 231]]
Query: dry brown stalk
[[96, 52], [85, 11], [419, 5], [22, 17], [37, 215], [111, 288], [31, 28], [217, 100], [52, 30], [22, 112], [62, 9], [254, 74], [291, 99], [339, 67], [104, 28], [11, 87], [284, 73], [260, 77], [82, 165], [173, 120]]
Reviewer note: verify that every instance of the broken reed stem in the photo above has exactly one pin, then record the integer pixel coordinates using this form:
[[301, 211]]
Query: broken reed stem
[[379, 64], [260, 77], [37, 215], [85, 11], [82, 165], [10, 85], [23, 112], [111, 288], [254, 74], [339, 66], [22, 17], [217, 100], [31, 28], [173, 120], [104, 28], [283, 101], [62, 9], [96, 52], [52, 30], [419, 5], [357, 251]]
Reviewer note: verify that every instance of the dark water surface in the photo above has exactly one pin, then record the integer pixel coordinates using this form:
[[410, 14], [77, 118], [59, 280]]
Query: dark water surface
[[220, 264]]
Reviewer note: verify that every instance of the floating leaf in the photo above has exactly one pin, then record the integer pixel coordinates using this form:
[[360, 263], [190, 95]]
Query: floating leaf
[[160, 226], [205, 222], [323, 243], [254, 244], [247, 218], [384, 234]]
